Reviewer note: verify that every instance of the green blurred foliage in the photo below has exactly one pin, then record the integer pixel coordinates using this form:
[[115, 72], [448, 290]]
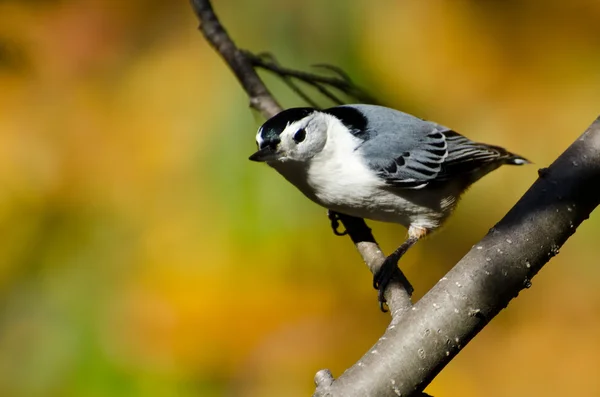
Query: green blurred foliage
[[143, 255]]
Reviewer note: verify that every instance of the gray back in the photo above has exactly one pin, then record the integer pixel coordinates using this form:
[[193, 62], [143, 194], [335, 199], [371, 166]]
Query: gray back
[[403, 149]]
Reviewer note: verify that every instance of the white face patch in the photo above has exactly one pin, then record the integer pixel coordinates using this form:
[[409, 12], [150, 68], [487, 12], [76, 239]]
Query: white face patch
[[291, 128], [290, 149]]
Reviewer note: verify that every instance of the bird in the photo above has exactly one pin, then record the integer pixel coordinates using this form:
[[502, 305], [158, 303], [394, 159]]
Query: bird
[[377, 163]]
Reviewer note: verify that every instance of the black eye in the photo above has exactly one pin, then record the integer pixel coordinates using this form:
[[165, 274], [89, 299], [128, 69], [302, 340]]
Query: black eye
[[299, 135]]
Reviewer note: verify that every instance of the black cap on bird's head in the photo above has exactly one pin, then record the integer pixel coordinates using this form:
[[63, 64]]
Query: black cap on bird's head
[[267, 138]]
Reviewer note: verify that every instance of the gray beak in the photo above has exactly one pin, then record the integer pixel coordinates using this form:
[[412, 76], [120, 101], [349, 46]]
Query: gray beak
[[264, 154]]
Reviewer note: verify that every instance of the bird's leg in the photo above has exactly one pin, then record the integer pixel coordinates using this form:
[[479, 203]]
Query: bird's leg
[[335, 223], [389, 267], [388, 270]]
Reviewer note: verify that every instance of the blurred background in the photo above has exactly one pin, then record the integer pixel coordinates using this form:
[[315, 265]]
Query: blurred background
[[142, 254]]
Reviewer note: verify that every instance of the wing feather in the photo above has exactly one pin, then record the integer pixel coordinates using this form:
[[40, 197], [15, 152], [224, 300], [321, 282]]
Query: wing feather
[[408, 152], [468, 157], [415, 166]]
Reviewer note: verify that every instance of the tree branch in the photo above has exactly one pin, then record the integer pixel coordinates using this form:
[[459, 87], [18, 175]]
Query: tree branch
[[341, 81], [260, 97], [416, 348], [242, 64], [420, 342]]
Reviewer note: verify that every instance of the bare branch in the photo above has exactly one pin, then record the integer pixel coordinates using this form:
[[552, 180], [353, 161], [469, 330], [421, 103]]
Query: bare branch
[[242, 64], [289, 81], [417, 346], [340, 82], [421, 341]]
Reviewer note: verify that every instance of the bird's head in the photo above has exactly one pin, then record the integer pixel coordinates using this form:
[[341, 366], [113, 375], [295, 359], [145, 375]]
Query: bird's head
[[296, 134]]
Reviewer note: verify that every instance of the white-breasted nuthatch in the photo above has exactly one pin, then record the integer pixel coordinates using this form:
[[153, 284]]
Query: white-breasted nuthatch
[[377, 163]]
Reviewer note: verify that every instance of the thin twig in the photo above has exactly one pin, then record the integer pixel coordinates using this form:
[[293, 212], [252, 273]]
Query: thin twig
[[292, 85], [335, 69], [340, 82]]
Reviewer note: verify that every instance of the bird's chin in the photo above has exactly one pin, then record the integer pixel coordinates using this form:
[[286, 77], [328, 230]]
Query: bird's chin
[[284, 162], [277, 163]]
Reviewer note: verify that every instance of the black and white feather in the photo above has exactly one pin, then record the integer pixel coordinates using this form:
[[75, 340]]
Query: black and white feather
[[375, 162], [409, 152]]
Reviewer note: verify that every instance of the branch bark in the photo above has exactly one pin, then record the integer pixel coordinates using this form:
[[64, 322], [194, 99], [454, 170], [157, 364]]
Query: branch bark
[[416, 348], [423, 338]]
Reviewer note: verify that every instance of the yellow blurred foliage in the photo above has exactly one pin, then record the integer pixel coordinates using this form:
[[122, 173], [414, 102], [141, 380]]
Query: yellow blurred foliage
[[142, 254]]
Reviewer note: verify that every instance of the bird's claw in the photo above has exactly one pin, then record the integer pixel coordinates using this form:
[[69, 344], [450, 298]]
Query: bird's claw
[[386, 273], [335, 223], [382, 279]]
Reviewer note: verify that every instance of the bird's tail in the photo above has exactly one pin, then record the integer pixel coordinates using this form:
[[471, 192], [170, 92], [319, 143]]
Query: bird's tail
[[515, 159], [508, 157]]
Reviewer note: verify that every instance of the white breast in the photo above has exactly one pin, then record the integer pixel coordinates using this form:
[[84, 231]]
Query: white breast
[[338, 178]]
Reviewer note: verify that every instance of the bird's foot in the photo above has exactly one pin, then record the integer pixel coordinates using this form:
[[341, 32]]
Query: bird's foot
[[335, 223], [386, 273], [382, 278]]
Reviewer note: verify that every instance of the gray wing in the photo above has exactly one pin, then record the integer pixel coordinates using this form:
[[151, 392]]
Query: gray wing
[[409, 152], [468, 157], [402, 149]]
